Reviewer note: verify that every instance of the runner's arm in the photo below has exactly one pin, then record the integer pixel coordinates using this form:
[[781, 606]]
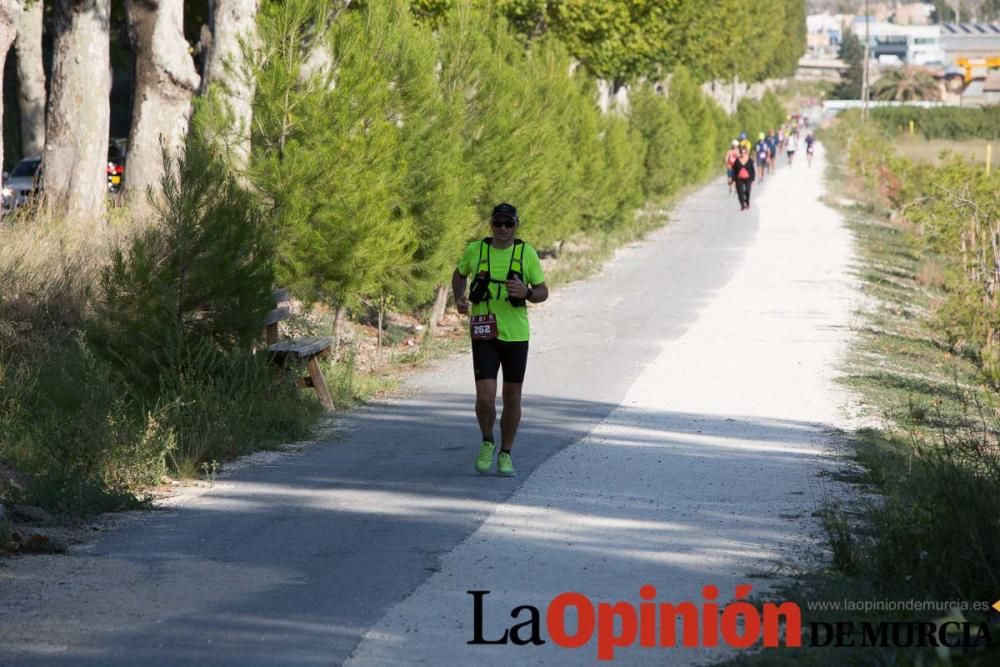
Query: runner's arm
[[519, 290], [458, 282], [539, 293]]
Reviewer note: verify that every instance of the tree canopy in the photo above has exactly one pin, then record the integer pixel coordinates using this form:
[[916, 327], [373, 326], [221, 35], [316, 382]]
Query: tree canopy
[[907, 84], [622, 41], [384, 135]]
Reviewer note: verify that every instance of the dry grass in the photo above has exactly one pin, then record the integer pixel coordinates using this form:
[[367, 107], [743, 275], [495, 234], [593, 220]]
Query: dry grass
[[47, 270], [931, 273], [930, 150], [87, 439]]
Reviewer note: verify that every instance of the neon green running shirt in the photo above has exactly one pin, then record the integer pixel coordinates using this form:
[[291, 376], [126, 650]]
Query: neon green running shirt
[[512, 323]]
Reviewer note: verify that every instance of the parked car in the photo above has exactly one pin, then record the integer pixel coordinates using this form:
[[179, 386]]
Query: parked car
[[22, 182]]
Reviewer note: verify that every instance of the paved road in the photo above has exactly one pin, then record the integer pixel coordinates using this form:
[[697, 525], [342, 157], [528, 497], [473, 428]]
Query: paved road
[[676, 415]]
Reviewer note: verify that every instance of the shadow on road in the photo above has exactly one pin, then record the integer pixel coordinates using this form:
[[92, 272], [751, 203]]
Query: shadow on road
[[291, 563]]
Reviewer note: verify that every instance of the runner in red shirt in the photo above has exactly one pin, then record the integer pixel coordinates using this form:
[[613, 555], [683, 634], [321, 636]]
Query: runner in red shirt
[[744, 174], [731, 155]]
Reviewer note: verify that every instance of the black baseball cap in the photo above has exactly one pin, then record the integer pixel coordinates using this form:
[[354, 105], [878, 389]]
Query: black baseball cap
[[504, 210]]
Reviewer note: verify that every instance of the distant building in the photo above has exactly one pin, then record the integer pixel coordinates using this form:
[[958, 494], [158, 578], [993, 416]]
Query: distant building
[[970, 40], [824, 32], [914, 13], [991, 89], [819, 42], [892, 43], [900, 34]]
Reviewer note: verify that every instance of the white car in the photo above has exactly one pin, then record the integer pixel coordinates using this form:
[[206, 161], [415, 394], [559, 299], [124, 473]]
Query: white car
[[21, 183]]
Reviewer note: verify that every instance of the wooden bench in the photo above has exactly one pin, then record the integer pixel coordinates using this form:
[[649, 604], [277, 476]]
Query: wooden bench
[[307, 349]]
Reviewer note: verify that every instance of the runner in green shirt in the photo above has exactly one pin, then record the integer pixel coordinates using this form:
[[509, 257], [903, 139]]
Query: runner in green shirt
[[507, 274]]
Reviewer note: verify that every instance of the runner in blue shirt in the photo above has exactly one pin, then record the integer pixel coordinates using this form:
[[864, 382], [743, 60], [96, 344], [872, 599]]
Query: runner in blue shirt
[[772, 145], [761, 153], [810, 140]]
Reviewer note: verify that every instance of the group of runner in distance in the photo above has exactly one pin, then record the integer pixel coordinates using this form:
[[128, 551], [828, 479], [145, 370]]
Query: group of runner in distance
[[747, 162]]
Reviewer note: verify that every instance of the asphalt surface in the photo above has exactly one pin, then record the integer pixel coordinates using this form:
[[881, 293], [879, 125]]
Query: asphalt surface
[[366, 543]]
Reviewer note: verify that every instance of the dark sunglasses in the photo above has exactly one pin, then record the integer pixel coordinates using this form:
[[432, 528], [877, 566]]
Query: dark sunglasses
[[506, 222]]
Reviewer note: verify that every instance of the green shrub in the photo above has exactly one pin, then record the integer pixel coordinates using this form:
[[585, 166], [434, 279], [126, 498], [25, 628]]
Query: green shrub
[[230, 403], [667, 141], [350, 386], [694, 109], [932, 533], [202, 275], [180, 309], [619, 187], [754, 117], [845, 553], [89, 445], [70, 426], [172, 378], [941, 122], [936, 532]]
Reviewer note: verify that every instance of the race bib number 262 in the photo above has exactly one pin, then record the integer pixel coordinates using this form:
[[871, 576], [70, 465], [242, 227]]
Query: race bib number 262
[[483, 327]]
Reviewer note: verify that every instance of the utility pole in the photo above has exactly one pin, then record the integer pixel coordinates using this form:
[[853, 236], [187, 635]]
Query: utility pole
[[864, 73]]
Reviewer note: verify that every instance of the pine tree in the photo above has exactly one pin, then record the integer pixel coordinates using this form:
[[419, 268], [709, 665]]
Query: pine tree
[[694, 108], [625, 154], [852, 52], [437, 190], [510, 135], [666, 138], [326, 147], [197, 281]]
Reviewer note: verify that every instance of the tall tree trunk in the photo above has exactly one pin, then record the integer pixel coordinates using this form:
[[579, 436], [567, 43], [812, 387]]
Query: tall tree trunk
[[437, 312], [204, 48], [31, 78], [734, 98], [234, 23], [78, 123], [9, 10], [165, 81], [604, 95]]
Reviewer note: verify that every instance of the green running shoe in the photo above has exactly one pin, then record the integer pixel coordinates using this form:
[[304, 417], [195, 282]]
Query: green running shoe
[[485, 459], [504, 465]]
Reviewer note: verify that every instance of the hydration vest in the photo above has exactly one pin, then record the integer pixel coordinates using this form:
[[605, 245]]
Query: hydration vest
[[516, 258]]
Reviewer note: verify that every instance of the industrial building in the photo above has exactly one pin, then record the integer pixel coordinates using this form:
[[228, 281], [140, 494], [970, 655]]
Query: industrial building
[[970, 40]]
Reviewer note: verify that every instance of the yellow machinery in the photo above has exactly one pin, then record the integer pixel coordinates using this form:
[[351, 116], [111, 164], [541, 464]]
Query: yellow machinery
[[977, 68]]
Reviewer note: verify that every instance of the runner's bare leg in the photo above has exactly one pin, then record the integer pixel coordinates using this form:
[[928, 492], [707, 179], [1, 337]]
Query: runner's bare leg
[[511, 417], [486, 405]]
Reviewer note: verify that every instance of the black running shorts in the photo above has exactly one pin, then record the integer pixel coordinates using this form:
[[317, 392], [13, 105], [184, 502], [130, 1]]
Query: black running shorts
[[488, 356]]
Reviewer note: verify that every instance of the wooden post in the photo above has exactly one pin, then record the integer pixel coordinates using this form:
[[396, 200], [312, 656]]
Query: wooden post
[[319, 383], [381, 314], [989, 157], [911, 127]]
